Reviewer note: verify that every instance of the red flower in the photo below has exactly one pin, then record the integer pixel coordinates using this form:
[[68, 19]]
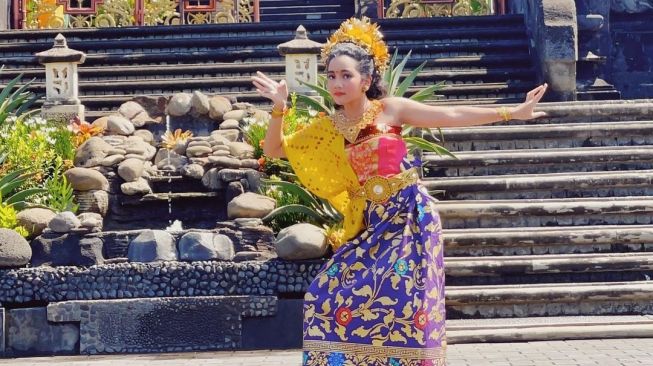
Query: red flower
[[261, 162], [343, 316], [420, 319]]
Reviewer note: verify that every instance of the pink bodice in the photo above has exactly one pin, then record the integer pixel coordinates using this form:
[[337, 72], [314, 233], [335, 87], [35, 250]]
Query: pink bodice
[[379, 150]]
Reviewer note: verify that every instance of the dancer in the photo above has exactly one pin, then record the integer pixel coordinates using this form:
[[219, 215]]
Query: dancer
[[379, 300]]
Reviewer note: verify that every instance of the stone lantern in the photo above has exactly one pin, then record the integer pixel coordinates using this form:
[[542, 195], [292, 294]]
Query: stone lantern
[[61, 81], [301, 61]]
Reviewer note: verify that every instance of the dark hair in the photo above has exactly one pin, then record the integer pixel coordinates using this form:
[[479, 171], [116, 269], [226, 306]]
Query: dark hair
[[366, 67]]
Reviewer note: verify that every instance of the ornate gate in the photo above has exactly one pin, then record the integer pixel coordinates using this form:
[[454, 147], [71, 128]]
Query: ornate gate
[[438, 8], [42, 14]]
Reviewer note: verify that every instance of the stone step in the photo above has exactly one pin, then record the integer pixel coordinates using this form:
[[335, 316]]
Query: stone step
[[547, 240], [548, 328], [254, 51], [555, 135], [539, 161], [547, 212], [510, 301], [239, 74], [467, 92], [532, 186], [444, 25], [555, 268]]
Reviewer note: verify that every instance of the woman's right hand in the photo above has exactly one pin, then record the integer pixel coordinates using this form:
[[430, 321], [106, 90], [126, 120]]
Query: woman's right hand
[[277, 92]]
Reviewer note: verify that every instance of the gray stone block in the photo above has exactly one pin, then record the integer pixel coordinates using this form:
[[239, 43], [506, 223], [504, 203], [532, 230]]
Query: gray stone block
[[30, 333], [161, 324]]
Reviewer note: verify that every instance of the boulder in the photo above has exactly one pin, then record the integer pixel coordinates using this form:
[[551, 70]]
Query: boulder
[[119, 125], [241, 150], [130, 109], [84, 179], [179, 104], [200, 103], [301, 241], [35, 220], [202, 246], [64, 222], [218, 106], [15, 251], [93, 201], [139, 186], [152, 246], [146, 136], [91, 152], [250, 205], [91, 220], [195, 171], [237, 115], [130, 170], [229, 124]]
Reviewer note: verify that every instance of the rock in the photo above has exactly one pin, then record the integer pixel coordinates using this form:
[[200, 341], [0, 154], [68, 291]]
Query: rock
[[221, 148], [114, 140], [229, 124], [237, 115], [231, 135], [197, 246], [244, 106], [221, 153], [117, 151], [200, 103], [93, 201], [35, 220], [130, 170], [101, 123], [211, 180], [119, 125], [194, 171], [260, 115], [241, 150], [165, 157], [232, 175], [218, 140], [194, 143], [234, 189], [248, 222], [143, 119], [112, 160], [91, 152], [179, 104], [301, 241], [249, 256], [196, 151], [84, 179], [250, 205], [64, 222], [15, 251], [91, 220], [146, 136], [130, 109], [224, 162], [139, 186], [152, 246], [250, 163], [218, 106], [253, 180], [136, 145]]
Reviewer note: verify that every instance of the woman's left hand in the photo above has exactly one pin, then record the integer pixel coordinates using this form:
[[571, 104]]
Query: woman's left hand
[[524, 111]]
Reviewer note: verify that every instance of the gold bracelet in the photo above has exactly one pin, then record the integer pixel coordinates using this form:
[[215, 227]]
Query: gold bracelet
[[276, 113], [504, 113]]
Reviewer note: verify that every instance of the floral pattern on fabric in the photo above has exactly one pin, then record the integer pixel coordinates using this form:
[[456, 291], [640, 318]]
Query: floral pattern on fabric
[[380, 299]]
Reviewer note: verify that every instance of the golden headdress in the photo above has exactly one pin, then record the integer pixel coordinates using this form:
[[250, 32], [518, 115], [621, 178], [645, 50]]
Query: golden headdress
[[364, 34]]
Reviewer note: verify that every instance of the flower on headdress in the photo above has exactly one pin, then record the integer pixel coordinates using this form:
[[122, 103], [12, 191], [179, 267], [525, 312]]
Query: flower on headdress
[[364, 34]]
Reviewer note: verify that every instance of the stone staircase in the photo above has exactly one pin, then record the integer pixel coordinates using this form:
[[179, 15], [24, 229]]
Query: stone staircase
[[548, 223], [471, 57]]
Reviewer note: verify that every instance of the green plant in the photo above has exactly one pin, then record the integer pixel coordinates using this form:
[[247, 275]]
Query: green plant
[[10, 187], [296, 204], [59, 195], [15, 102], [8, 219], [254, 132]]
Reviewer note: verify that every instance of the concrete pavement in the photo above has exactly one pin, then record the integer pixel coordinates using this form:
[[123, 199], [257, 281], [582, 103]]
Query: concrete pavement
[[606, 352]]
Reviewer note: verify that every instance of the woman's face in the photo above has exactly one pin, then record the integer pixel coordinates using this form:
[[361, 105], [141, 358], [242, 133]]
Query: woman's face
[[344, 82]]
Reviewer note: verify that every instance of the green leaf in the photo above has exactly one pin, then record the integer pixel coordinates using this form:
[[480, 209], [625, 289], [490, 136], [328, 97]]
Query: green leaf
[[420, 143], [387, 77], [396, 75], [293, 189], [312, 103], [294, 209], [426, 93], [408, 81], [18, 199]]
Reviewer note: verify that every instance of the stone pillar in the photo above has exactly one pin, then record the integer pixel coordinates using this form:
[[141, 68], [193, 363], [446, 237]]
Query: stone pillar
[[301, 62], [5, 10], [61, 81], [553, 33]]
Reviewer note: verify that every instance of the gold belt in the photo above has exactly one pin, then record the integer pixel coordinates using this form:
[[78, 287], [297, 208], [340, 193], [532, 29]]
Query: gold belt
[[379, 189]]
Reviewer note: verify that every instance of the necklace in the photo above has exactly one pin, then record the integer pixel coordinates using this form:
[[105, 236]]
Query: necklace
[[350, 127]]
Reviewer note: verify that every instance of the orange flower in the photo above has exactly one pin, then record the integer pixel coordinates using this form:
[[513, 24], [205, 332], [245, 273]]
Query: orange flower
[[261, 162], [261, 143], [321, 114]]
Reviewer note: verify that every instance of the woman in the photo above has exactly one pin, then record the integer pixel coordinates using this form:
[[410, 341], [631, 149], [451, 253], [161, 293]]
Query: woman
[[380, 299]]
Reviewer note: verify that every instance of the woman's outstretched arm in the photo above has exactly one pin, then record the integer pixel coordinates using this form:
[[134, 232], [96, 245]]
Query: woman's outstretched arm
[[277, 92], [416, 114]]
